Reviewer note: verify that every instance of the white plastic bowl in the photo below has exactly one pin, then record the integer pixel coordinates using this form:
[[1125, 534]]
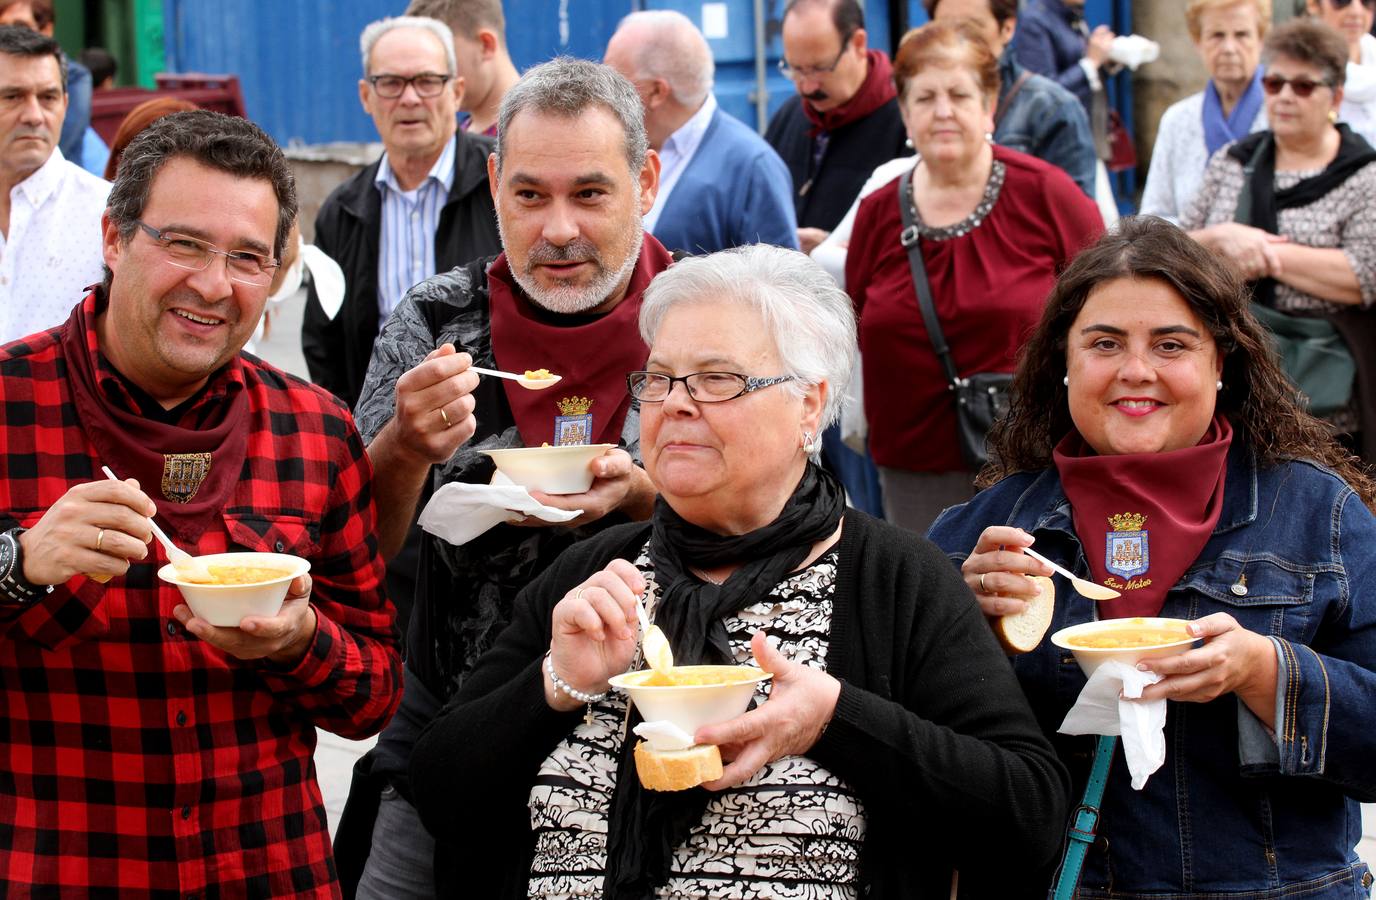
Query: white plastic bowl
[[225, 605], [554, 470], [691, 706], [1091, 658]]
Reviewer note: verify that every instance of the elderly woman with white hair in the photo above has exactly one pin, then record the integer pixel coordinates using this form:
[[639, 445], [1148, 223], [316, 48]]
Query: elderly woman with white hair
[[892, 744]]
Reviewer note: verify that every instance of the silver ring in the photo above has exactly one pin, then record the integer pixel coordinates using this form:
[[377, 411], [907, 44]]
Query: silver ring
[[578, 594], [445, 416], [100, 538], [982, 588]]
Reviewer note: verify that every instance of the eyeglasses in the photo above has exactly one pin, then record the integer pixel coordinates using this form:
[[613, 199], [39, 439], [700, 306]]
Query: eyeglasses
[[186, 252], [427, 84], [1344, 4], [704, 387], [1302, 87], [796, 73]]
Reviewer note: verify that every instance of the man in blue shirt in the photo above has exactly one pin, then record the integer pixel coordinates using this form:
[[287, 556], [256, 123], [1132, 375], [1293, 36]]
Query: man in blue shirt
[[721, 185]]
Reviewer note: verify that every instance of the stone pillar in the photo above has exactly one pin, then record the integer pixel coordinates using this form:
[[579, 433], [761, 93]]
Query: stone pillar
[[1176, 74]]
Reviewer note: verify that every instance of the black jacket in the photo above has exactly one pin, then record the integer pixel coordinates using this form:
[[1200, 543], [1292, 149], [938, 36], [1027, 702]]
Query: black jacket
[[822, 194], [348, 228], [930, 729]]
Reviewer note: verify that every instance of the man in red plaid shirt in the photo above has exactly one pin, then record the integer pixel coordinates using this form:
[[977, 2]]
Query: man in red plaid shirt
[[144, 752]]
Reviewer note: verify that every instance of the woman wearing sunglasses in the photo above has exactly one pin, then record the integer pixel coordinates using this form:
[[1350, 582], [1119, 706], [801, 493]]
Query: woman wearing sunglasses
[[1352, 19], [1291, 208]]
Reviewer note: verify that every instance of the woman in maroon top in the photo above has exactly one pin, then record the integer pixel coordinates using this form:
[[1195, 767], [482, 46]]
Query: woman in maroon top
[[995, 227]]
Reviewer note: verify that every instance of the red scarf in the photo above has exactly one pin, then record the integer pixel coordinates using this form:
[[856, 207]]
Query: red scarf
[[189, 492], [593, 354], [1144, 517], [876, 90]]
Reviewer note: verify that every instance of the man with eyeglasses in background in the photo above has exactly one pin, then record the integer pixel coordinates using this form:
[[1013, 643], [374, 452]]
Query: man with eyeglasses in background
[[422, 208], [844, 120], [146, 752], [49, 207]]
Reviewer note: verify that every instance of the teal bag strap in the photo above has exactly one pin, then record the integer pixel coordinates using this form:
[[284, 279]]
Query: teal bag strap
[[1083, 821]]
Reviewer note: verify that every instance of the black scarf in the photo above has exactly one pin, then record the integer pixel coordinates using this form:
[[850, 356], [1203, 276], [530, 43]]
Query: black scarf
[[646, 826], [1259, 204]]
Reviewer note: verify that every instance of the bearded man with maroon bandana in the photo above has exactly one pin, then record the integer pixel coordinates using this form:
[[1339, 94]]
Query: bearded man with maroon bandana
[[571, 179]]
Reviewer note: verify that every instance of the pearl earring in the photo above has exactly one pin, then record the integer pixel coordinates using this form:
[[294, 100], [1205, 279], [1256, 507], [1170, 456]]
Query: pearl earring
[[809, 443], [1066, 381], [1218, 385]]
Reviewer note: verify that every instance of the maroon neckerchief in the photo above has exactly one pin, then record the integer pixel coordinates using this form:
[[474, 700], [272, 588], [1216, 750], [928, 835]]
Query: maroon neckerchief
[[876, 90], [1143, 517], [592, 353], [134, 446]]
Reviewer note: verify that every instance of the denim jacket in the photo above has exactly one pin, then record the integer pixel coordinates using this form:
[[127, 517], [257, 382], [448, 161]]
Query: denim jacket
[[1235, 812], [1046, 121]]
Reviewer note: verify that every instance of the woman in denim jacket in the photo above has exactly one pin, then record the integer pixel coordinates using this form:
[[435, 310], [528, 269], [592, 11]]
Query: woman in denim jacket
[[1154, 445]]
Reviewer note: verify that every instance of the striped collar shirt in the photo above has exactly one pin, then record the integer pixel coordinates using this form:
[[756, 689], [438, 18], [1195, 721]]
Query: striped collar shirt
[[406, 243], [677, 153]]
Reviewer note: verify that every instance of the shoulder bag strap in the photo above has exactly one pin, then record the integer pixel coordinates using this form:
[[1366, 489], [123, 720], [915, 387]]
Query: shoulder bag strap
[[1007, 100], [912, 243], [1083, 821]]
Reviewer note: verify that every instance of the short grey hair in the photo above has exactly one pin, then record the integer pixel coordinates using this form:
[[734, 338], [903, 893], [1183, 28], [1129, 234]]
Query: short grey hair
[[810, 320], [375, 30], [569, 87], [673, 49]]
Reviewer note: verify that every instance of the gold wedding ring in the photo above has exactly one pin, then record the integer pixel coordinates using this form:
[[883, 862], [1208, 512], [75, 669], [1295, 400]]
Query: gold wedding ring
[[982, 588], [445, 416], [578, 594], [100, 538]]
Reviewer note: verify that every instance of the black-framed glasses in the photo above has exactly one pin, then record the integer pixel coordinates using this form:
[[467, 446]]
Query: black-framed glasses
[[1344, 4], [704, 387], [1302, 87], [186, 252], [427, 84], [796, 73]]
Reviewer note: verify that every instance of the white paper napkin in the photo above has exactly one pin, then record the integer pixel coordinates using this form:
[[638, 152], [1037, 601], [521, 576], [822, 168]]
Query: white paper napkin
[[1101, 710], [664, 735], [460, 512], [1133, 50]]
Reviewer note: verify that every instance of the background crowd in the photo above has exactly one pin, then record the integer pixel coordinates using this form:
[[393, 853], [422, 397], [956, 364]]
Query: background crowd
[[913, 305]]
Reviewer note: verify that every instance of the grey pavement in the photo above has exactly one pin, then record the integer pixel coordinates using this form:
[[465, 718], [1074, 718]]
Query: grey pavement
[[335, 756]]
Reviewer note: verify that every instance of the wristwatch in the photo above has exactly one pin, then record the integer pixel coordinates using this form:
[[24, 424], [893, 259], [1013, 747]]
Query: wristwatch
[[14, 587]]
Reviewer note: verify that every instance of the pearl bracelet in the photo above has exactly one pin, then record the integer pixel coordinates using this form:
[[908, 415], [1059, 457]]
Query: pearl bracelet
[[562, 685]]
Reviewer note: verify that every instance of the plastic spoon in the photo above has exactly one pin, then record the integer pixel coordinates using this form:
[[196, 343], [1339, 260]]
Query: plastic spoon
[[187, 566], [1082, 587], [653, 642], [530, 384]]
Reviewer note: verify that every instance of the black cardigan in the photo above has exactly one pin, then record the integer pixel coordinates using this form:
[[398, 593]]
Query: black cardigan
[[930, 729]]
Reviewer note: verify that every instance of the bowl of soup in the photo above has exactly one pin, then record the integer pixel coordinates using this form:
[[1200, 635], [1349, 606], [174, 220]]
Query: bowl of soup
[[1126, 640], [554, 470], [692, 696], [244, 584]]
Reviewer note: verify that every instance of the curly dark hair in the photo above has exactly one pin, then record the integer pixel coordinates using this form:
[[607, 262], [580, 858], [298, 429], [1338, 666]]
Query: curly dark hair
[[1257, 397]]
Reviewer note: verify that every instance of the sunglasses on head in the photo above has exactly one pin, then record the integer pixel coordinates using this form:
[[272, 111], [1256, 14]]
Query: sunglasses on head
[[1302, 87], [1343, 4]]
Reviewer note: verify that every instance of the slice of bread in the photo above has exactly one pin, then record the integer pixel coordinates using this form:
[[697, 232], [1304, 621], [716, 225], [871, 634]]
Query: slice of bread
[[676, 770], [1022, 632]]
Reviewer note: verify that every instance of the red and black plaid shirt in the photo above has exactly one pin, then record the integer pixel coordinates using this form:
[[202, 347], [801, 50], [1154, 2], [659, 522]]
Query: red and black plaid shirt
[[136, 760]]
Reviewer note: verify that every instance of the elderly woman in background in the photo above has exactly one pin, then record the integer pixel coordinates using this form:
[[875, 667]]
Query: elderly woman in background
[[893, 726], [1148, 401], [993, 227], [1291, 208], [1228, 36], [1352, 19]]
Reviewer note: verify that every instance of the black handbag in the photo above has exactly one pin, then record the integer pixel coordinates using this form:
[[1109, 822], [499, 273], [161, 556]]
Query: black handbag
[[980, 398]]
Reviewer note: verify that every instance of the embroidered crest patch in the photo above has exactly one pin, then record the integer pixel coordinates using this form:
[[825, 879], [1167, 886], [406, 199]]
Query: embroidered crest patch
[[182, 474], [574, 424], [1126, 552]]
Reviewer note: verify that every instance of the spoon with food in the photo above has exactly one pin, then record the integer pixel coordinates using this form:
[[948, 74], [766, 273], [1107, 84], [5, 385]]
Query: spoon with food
[[1082, 586], [531, 379], [188, 567], [654, 643]]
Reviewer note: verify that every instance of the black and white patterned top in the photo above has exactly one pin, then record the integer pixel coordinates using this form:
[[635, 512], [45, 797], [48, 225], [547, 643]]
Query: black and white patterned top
[[793, 830]]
